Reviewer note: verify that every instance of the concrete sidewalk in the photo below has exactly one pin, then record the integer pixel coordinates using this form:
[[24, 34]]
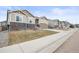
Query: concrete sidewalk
[[4, 38], [55, 30]]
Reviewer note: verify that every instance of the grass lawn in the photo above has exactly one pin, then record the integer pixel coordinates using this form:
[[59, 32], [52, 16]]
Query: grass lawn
[[26, 35]]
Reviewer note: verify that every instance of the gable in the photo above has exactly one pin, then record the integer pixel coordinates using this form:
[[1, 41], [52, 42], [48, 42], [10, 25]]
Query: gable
[[27, 13], [24, 12]]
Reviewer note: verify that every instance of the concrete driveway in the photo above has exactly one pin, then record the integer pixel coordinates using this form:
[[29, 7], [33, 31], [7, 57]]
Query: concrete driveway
[[4, 38]]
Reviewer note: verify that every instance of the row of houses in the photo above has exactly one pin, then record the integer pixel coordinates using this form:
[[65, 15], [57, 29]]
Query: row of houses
[[23, 19], [59, 24]]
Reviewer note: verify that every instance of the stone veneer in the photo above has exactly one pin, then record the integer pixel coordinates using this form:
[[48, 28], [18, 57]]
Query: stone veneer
[[21, 26]]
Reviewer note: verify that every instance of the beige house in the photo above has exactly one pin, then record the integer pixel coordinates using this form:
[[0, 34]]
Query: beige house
[[76, 25], [64, 25], [43, 22], [54, 23], [23, 19], [3, 26]]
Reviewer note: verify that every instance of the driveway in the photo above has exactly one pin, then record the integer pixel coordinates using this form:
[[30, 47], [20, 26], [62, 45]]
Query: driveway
[[3, 38]]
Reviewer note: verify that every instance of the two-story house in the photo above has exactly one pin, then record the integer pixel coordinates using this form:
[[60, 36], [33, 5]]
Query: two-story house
[[23, 19]]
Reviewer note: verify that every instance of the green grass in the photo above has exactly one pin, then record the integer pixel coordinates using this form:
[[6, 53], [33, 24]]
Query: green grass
[[26, 35]]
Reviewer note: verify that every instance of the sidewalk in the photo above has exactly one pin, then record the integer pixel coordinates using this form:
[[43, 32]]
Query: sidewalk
[[4, 38]]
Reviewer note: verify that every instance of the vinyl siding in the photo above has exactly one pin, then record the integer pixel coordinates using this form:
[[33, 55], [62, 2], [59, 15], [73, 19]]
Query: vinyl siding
[[24, 19]]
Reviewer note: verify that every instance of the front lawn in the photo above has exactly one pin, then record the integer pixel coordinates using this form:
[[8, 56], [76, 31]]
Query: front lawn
[[26, 35]]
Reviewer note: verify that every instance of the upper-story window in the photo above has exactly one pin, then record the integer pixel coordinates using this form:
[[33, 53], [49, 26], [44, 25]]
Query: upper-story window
[[30, 21], [18, 18]]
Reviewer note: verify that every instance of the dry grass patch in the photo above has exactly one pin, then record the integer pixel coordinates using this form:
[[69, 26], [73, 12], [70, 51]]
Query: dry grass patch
[[26, 35]]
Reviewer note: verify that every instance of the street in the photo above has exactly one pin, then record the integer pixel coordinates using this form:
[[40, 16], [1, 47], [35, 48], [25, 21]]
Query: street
[[71, 45]]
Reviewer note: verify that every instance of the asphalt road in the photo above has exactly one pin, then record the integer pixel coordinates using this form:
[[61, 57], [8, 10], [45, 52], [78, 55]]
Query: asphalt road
[[71, 45], [3, 38]]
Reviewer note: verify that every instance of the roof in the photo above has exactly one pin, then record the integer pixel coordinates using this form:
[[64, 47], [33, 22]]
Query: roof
[[65, 22], [43, 17], [24, 12]]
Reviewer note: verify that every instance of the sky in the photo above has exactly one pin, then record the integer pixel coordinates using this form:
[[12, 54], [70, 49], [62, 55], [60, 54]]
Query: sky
[[63, 13]]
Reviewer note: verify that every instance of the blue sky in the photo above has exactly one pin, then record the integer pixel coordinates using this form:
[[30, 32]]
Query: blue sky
[[64, 13]]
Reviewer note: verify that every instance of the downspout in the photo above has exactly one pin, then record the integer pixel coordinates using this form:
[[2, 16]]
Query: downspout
[[27, 22]]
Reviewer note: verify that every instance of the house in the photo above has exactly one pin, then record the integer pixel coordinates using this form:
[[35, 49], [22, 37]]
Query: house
[[56, 24], [64, 25], [3, 26], [77, 25], [53, 23], [23, 19], [43, 22]]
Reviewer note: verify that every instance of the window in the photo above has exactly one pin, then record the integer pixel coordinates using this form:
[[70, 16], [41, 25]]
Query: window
[[17, 18], [37, 21], [30, 21]]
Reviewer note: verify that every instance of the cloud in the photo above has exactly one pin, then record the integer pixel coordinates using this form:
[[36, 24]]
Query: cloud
[[3, 12], [70, 14], [2, 18], [57, 11], [39, 13], [66, 11], [3, 15]]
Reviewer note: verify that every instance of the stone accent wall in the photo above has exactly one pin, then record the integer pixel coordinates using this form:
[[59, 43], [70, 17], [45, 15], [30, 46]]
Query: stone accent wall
[[17, 26], [21, 26]]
